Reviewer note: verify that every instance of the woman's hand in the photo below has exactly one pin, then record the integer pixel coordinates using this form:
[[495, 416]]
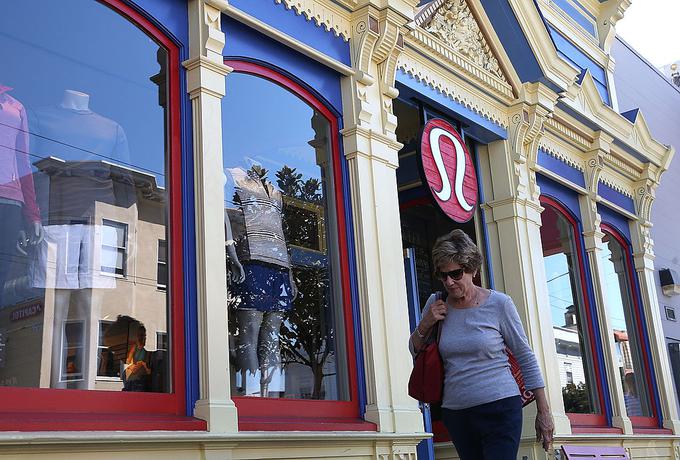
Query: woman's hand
[[437, 312], [544, 422], [544, 429]]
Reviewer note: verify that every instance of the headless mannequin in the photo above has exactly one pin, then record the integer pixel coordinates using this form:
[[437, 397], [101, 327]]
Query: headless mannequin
[[257, 341], [75, 304], [75, 100]]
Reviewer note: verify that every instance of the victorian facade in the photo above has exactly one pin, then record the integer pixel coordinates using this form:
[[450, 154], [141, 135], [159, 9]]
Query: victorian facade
[[285, 336]]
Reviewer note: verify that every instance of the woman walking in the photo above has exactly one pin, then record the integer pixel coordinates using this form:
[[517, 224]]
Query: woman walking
[[481, 406]]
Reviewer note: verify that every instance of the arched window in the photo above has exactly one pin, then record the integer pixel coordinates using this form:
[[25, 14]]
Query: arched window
[[290, 325], [571, 315], [91, 244], [625, 317]]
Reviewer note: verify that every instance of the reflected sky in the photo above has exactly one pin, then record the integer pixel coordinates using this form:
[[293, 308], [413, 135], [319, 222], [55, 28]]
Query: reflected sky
[[52, 47]]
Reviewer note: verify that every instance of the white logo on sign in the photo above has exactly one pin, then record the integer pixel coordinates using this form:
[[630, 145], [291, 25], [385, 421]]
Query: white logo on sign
[[445, 193]]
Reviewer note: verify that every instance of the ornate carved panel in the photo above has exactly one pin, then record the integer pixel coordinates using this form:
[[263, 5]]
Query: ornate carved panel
[[453, 22]]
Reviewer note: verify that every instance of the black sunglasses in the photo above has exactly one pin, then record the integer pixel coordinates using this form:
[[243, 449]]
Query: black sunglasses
[[455, 275]]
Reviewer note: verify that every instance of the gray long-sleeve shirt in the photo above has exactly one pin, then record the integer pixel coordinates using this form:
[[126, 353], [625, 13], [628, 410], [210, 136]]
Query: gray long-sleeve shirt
[[472, 346]]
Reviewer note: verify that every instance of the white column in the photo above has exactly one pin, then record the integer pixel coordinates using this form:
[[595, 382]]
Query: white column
[[371, 150], [206, 74], [513, 215]]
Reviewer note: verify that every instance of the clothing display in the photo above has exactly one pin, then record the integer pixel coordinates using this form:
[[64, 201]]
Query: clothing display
[[265, 288], [88, 144], [257, 220], [472, 346], [16, 178], [70, 258]]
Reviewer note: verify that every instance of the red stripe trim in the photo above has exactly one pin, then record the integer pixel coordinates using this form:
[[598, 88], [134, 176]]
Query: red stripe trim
[[20, 405], [255, 412], [641, 422], [584, 419]]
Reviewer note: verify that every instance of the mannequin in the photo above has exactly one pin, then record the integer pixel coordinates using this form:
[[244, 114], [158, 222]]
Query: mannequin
[[78, 147], [267, 289], [21, 224]]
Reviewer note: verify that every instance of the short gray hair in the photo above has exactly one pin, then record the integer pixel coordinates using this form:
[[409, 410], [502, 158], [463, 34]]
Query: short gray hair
[[456, 247]]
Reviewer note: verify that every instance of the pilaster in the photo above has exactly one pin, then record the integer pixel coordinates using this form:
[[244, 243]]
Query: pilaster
[[371, 150], [206, 74], [643, 257], [514, 218], [593, 235]]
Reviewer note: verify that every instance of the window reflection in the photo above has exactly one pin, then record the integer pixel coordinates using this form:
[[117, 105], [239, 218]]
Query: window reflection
[[620, 307], [286, 335], [83, 199], [567, 306]]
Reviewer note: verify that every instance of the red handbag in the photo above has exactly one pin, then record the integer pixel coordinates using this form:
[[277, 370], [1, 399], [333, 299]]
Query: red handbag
[[526, 395], [426, 383]]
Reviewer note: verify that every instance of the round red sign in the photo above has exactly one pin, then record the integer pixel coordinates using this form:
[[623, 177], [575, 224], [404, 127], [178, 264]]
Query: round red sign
[[449, 171]]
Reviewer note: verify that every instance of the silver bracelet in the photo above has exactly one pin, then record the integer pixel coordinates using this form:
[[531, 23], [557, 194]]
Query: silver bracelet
[[420, 334], [229, 242]]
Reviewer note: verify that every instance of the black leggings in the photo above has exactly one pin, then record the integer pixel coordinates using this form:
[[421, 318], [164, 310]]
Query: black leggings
[[489, 431], [11, 222]]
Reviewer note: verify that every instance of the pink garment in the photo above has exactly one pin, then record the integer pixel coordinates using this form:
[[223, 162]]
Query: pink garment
[[16, 178]]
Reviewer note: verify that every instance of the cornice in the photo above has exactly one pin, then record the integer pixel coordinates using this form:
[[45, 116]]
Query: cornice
[[325, 13], [445, 81], [612, 11], [562, 129], [432, 46], [585, 100]]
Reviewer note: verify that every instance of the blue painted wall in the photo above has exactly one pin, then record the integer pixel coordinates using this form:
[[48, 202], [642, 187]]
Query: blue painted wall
[[616, 197], [580, 61], [579, 15], [561, 168], [297, 26]]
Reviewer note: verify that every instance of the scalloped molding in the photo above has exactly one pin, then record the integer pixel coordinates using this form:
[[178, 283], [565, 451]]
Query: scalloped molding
[[558, 149], [323, 14], [459, 93], [618, 183], [461, 64], [453, 22]]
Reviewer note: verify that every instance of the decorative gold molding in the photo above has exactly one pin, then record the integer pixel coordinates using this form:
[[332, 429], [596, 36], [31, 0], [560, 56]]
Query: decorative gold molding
[[557, 148], [323, 13], [415, 65], [458, 63], [453, 22], [561, 130]]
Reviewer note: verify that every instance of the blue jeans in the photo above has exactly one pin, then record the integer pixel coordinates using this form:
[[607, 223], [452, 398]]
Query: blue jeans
[[488, 431]]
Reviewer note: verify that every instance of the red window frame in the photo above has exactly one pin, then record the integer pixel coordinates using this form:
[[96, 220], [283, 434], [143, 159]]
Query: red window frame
[[640, 424], [255, 414], [38, 409], [584, 423]]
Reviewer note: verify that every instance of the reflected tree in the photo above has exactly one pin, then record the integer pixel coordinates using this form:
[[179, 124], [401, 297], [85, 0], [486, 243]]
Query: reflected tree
[[306, 337]]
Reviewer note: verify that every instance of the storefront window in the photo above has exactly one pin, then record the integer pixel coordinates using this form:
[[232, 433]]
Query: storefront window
[[564, 271], [286, 299], [621, 310], [84, 144]]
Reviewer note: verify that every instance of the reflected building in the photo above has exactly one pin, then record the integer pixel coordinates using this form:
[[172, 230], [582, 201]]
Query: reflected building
[[83, 276]]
